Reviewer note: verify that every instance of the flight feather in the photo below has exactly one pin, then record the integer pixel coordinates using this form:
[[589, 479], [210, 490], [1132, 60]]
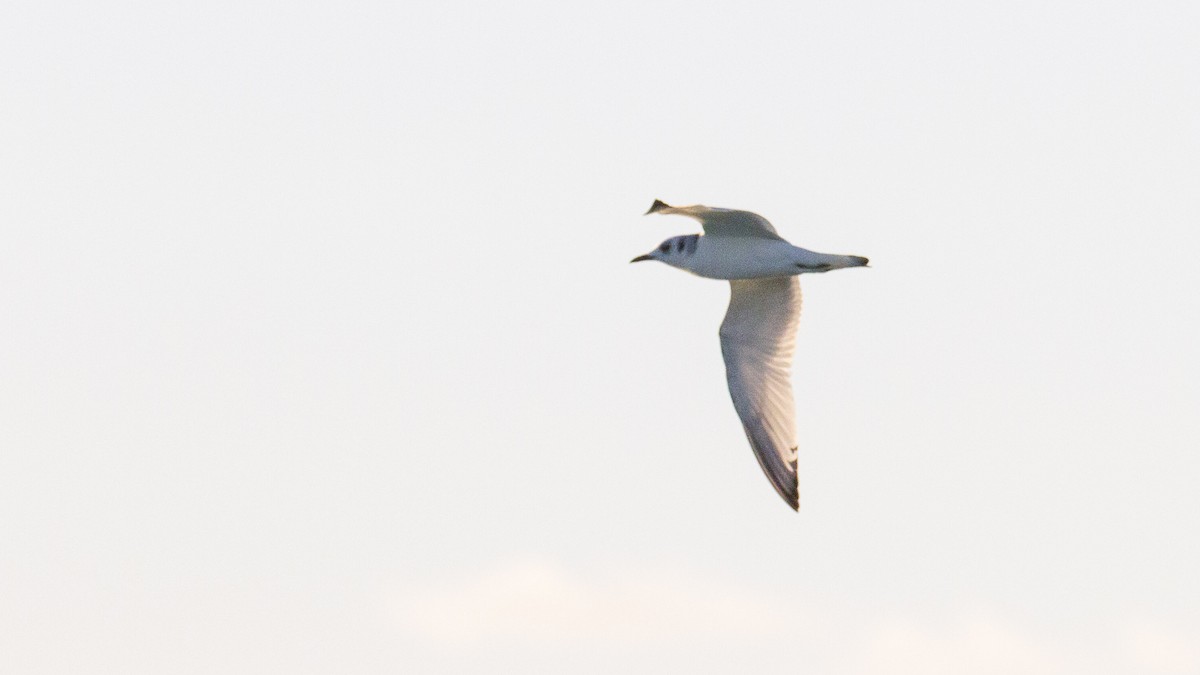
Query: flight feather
[[758, 339]]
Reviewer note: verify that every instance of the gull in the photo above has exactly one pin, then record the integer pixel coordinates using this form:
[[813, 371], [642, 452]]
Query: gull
[[758, 335]]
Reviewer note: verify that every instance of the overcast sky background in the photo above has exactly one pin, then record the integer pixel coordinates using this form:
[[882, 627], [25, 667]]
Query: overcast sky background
[[322, 353]]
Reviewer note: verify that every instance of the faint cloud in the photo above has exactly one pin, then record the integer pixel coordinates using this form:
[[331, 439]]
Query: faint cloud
[[980, 646], [1159, 650], [537, 601], [986, 644], [534, 604]]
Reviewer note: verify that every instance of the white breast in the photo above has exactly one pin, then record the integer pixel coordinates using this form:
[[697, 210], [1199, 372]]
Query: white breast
[[741, 258]]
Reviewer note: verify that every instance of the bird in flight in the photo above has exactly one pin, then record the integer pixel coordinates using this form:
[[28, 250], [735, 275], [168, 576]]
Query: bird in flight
[[758, 335]]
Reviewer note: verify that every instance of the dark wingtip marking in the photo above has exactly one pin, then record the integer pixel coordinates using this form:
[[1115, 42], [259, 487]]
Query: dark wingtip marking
[[794, 497], [657, 206]]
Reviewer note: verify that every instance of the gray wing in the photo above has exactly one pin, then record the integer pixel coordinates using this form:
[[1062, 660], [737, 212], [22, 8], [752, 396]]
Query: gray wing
[[722, 222], [758, 338]]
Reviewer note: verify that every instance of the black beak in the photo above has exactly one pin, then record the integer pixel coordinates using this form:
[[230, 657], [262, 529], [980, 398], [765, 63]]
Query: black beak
[[640, 258]]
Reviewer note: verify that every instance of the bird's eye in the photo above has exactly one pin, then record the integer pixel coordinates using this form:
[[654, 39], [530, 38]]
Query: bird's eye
[[666, 247]]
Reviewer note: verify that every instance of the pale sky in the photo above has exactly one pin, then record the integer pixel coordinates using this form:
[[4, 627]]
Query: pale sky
[[322, 352]]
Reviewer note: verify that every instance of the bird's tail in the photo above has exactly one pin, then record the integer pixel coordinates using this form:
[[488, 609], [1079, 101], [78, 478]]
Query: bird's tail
[[811, 261]]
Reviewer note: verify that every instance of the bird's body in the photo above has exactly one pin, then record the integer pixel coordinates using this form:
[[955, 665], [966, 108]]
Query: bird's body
[[758, 334], [729, 258]]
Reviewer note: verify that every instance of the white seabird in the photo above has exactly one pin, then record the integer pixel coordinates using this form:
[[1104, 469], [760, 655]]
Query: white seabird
[[758, 335]]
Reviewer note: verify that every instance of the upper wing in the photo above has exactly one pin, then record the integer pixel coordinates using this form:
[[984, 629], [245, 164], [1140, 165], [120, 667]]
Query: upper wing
[[758, 338], [722, 222]]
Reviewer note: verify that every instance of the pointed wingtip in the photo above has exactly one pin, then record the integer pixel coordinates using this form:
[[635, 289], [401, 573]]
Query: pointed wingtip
[[657, 206], [793, 493]]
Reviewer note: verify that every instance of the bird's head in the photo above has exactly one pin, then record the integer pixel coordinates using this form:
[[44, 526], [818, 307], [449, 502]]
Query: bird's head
[[673, 251]]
